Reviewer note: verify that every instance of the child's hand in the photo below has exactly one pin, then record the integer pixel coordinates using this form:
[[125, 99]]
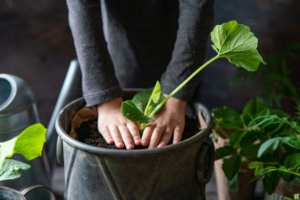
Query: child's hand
[[115, 128], [169, 122]]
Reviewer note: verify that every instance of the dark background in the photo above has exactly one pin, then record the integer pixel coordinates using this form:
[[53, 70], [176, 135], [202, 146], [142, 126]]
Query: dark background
[[36, 45]]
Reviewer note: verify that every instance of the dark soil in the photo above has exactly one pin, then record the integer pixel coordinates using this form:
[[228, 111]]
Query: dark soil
[[88, 133]]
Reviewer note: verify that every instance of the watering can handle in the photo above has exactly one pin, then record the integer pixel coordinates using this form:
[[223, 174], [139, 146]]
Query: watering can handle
[[205, 161], [29, 188], [59, 150]]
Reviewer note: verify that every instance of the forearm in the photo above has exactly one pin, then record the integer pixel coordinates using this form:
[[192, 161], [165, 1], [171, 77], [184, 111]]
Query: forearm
[[99, 81]]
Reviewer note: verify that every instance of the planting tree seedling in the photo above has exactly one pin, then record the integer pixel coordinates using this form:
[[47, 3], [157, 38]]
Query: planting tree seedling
[[230, 40], [29, 144]]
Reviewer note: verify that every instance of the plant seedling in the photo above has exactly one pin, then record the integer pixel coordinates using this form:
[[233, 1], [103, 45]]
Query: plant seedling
[[29, 143], [230, 40]]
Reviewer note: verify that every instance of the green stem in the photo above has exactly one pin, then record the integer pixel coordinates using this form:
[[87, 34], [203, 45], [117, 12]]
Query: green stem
[[182, 85], [143, 126]]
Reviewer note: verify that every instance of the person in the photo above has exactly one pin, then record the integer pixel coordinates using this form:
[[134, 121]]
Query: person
[[132, 44]]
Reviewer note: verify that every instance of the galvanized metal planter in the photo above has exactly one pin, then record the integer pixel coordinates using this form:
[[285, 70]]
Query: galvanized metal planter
[[178, 171]]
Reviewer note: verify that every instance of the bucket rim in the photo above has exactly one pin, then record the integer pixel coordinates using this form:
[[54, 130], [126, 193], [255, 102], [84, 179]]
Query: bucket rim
[[135, 152]]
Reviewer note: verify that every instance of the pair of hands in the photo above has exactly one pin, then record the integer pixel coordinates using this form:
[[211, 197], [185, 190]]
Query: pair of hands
[[115, 128]]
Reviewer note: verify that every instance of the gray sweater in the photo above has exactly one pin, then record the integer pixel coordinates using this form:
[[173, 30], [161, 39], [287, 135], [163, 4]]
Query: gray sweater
[[134, 43]]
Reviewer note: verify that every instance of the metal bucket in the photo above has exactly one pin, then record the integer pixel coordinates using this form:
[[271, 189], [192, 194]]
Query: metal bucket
[[178, 171], [9, 193], [18, 111]]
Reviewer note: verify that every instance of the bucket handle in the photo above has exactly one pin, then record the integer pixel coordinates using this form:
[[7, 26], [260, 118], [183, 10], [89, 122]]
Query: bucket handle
[[59, 151], [30, 188], [205, 161]]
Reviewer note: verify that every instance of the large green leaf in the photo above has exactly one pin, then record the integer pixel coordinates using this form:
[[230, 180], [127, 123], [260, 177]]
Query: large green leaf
[[12, 169], [131, 112], [227, 117], [236, 43], [29, 143], [231, 166]]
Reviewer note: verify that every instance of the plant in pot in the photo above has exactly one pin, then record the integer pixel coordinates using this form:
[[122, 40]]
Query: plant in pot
[[237, 143], [29, 143], [231, 130], [151, 173], [282, 148]]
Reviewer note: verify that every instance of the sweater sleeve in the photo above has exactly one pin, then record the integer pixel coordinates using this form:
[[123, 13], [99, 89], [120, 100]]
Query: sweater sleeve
[[99, 82], [195, 20]]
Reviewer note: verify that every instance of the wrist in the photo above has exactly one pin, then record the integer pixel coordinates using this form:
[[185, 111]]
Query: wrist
[[176, 103], [110, 105]]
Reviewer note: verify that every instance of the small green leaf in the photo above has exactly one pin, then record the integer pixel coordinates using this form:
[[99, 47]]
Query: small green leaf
[[140, 99], [236, 137], [292, 161], [131, 112], [224, 151], [270, 181], [12, 169], [257, 166], [293, 143], [231, 166], [269, 145], [227, 117], [155, 98], [249, 138], [238, 44], [250, 151], [156, 93]]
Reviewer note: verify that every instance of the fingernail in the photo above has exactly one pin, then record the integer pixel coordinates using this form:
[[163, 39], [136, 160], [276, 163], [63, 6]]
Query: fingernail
[[137, 142], [130, 146], [120, 145]]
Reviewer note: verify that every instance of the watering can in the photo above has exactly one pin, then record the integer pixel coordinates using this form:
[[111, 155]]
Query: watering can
[[17, 111]]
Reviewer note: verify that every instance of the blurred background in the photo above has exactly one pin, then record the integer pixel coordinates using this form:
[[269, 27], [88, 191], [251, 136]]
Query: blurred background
[[36, 44]]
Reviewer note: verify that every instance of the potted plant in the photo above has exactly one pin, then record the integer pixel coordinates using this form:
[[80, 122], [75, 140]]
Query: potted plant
[[277, 89], [284, 146], [237, 143], [29, 143], [152, 173]]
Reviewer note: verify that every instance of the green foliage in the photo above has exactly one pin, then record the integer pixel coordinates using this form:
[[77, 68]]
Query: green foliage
[[29, 144], [268, 140], [12, 169], [275, 77], [230, 40], [231, 166]]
